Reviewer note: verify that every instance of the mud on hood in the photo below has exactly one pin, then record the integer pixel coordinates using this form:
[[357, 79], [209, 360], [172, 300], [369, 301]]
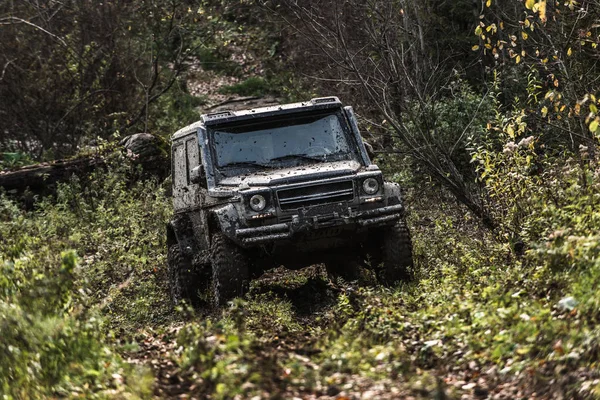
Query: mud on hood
[[294, 174]]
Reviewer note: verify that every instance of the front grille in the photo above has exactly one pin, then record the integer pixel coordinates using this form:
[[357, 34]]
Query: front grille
[[312, 195], [286, 218]]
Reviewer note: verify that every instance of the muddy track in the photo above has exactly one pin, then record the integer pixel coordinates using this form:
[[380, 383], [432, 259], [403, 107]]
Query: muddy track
[[313, 298], [309, 300]]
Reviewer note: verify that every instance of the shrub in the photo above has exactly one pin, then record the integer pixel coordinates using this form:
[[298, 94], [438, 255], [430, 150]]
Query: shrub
[[52, 345]]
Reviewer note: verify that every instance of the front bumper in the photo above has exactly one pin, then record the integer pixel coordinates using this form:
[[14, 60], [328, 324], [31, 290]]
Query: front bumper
[[361, 219]]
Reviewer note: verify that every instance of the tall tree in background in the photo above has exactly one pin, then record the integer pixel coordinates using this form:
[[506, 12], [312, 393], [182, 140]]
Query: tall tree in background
[[534, 64], [403, 59], [550, 49], [81, 69]]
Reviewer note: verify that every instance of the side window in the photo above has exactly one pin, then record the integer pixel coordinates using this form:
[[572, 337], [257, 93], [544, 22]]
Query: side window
[[180, 178], [192, 156]]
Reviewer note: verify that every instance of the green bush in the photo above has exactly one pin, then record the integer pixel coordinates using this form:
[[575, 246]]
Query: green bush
[[53, 345], [72, 269]]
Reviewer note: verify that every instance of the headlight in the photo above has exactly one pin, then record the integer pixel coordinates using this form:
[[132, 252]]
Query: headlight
[[370, 186], [258, 202]]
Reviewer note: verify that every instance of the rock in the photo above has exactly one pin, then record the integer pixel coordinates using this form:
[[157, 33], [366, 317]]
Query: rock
[[568, 303]]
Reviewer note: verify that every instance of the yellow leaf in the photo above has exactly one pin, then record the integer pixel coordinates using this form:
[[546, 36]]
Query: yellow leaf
[[524, 35], [594, 126], [518, 59], [593, 108], [544, 111], [488, 3], [529, 4], [475, 48], [542, 10], [570, 52], [478, 31], [510, 131]]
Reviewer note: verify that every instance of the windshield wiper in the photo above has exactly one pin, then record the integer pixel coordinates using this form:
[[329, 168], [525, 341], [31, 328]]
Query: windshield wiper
[[298, 156], [246, 164]]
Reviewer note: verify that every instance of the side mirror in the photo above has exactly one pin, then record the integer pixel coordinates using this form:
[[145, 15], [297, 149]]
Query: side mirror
[[198, 174]]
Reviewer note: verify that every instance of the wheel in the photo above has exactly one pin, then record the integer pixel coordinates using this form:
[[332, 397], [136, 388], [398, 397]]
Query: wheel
[[183, 278], [229, 270], [347, 269], [397, 254]]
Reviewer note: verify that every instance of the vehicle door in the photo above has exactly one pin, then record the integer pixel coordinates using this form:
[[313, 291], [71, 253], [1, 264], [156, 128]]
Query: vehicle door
[[188, 193]]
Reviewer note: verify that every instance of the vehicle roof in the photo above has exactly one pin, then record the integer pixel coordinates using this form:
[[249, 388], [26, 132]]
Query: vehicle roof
[[222, 117]]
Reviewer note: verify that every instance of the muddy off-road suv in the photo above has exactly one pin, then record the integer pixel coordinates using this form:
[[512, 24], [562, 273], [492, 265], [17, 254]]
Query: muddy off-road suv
[[289, 185]]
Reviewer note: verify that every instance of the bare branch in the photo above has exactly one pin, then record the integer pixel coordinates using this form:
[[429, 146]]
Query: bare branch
[[11, 18], [6, 67]]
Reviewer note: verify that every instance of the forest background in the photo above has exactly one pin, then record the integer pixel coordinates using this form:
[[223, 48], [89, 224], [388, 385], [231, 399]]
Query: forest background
[[486, 112]]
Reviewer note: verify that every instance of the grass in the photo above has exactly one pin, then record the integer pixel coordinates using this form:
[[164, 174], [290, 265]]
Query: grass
[[75, 269], [83, 280]]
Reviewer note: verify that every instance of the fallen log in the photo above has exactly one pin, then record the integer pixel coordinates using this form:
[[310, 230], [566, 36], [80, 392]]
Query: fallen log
[[147, 150], [39, 177]]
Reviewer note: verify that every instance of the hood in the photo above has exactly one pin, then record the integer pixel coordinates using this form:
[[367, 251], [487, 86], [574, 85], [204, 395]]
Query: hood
[[295, 174]]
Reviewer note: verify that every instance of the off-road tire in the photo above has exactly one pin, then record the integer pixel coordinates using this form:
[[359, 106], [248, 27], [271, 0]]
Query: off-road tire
[[183, 278], [347, 269], [230, 276], [397, 255]]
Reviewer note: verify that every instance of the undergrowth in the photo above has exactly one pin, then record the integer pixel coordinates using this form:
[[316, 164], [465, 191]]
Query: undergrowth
[[480, 314], [84, 273], [79, 268]]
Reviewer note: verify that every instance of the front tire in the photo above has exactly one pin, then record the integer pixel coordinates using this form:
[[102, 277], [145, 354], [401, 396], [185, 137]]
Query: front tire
[[183, 279], [397, 255], [229, 269]]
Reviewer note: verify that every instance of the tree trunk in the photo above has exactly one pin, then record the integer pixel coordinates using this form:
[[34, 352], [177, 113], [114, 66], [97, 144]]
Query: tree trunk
[[41, 179]]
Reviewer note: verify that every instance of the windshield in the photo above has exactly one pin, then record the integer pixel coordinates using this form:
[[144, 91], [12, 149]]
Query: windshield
[[282, 142]]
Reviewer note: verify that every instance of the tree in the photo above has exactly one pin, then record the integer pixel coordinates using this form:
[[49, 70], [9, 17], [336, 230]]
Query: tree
[[553, 48], [73, 71], [391, 55]]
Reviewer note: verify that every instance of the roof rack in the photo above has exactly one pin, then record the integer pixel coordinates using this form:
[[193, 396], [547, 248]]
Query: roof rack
[[219, 114], [321, 100]]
